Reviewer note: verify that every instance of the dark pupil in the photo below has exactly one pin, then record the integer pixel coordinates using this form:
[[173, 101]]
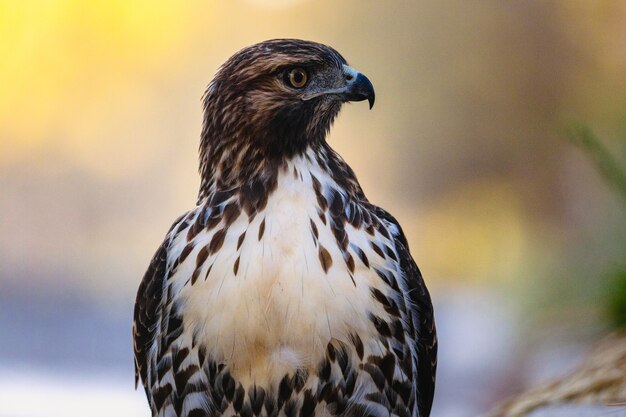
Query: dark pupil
[[298, 77]]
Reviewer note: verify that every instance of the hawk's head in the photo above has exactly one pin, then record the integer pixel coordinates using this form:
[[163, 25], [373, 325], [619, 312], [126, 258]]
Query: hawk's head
[[274, 99]]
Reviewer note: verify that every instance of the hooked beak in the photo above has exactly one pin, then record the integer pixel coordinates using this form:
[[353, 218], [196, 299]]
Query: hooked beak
[[358, 87]]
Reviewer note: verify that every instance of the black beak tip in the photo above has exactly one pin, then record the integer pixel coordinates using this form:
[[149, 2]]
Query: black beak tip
[[371, 100]]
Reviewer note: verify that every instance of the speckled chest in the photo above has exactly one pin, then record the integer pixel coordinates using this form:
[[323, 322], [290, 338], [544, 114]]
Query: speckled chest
[[266, 294]]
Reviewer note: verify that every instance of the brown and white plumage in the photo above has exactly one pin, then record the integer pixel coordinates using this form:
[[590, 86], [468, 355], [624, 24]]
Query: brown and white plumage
[[284, 292]]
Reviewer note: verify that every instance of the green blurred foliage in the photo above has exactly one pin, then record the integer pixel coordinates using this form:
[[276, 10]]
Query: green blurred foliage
[[614, 174], [616, 297], [606, 163]]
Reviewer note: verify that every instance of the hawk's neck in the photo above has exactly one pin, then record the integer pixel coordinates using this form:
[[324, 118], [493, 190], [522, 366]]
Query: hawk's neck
[[253, 177]]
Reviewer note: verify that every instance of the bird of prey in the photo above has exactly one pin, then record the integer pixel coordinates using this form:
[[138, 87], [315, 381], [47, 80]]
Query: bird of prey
[[284, 292]]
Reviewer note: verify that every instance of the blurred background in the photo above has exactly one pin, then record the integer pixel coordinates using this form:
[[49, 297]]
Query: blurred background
[[521, 239]]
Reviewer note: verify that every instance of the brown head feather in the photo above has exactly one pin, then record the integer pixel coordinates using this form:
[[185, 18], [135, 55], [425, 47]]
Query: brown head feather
[[253, 121]]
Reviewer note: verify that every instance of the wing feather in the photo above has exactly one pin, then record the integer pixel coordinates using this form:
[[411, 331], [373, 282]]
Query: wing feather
[[147, 312], [421, 310]]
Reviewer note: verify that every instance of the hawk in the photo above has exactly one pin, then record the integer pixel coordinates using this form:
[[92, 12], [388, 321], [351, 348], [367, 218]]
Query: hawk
[[284, 292]]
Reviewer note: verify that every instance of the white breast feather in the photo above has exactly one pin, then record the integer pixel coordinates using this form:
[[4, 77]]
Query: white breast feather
[[281, 309]]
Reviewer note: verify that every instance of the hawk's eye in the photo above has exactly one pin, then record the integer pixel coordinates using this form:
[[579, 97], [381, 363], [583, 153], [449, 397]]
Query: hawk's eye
[[297, 77]]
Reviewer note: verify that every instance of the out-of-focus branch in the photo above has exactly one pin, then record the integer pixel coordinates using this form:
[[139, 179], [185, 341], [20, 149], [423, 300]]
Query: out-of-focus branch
[[600, 380]]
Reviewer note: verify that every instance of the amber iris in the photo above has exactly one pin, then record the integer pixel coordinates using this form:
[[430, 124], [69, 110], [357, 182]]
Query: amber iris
[[298, 77]]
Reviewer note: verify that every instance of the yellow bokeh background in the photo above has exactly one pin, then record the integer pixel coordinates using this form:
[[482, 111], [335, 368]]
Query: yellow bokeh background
[[107, 90]]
